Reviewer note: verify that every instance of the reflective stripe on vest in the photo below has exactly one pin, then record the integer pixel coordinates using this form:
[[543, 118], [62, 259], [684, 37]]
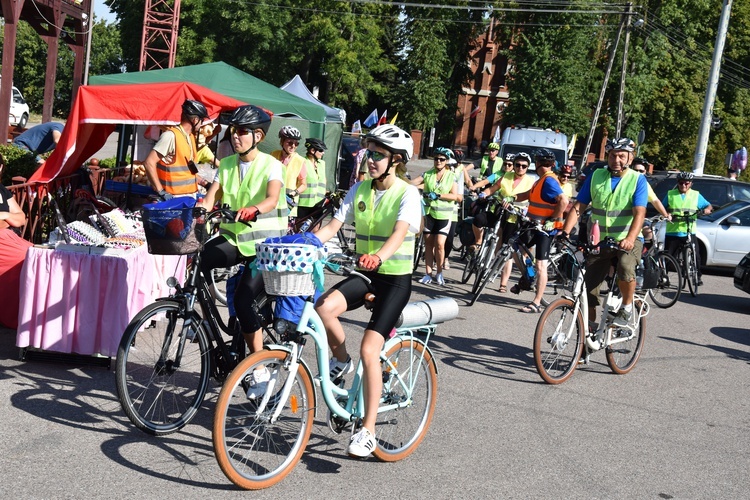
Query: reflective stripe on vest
[[177, 178], [251, 191], [613, 209], [438, 209], [538, 208], [375, 226], [677, 204], [316, 185], [507, 189]]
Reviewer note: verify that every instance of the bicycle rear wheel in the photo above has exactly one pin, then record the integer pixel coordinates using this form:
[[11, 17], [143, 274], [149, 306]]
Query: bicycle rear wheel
[[558, 341], [469, 268], [668, 290], [622, 356], [418, 250], [159, 389], [692, 270], [408, 400], [252, 451]]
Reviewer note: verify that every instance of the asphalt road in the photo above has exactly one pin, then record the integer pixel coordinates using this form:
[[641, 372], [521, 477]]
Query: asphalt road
[[675, 427]]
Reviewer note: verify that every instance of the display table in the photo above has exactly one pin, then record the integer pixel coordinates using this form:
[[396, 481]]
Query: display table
[[80, 303]]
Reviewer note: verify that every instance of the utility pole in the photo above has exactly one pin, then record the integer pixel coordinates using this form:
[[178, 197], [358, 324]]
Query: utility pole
[[623, 71], [713, 82], [595, 118]]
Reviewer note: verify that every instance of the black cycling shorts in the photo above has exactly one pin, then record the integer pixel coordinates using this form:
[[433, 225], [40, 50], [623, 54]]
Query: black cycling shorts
[[436, 226]]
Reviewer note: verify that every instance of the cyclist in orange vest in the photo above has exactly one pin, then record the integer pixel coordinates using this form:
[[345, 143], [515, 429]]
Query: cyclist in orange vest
[[547, 202], [170, 166]]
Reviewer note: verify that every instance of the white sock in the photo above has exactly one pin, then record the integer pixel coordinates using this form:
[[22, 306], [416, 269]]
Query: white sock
[[627, 307]]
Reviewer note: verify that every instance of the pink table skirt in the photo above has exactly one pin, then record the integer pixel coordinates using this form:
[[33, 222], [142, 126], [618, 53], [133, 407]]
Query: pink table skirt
[[81, 303]]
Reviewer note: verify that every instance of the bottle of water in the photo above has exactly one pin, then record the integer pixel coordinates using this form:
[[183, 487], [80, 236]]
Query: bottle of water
[[530, 269], [639, 275], [305, 226]]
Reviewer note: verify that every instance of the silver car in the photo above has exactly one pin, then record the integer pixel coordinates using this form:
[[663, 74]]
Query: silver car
[[724, 235]]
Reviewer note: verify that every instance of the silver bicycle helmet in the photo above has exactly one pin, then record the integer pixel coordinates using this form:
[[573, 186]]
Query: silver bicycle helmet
[[289, 132], [620, 144]]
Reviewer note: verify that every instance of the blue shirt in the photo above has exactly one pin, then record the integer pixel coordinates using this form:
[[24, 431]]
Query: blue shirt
[[551, 189], [702, 204], [640, 197], [39, 139]]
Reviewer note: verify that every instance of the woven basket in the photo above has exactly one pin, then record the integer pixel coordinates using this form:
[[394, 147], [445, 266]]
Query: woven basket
[[287, 267]]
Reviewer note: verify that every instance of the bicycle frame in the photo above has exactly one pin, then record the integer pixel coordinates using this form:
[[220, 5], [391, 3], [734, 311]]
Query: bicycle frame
[[311, 325]]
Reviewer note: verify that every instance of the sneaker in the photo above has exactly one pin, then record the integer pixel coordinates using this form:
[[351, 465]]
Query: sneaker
[[257, 383], [361, 444], [440, 280], [700, 282], [337, 369], [623, 317], [426, 280]]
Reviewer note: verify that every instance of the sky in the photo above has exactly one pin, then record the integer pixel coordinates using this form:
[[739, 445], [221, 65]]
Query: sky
[[101, 11]]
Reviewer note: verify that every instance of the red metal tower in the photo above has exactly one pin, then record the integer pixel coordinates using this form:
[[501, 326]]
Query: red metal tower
[[161, 22]]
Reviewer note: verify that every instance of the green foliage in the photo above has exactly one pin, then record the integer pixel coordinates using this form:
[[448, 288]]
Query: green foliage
[[108, 162], [18, 162]]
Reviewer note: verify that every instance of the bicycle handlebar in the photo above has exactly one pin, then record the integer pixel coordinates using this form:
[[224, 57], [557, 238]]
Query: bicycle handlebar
[[344, 265]]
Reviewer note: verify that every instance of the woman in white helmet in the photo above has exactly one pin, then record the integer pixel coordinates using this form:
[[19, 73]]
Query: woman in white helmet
[[386, 212]]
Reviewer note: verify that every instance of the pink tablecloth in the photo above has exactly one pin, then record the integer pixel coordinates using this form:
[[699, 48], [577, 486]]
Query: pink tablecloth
[[81, 303]]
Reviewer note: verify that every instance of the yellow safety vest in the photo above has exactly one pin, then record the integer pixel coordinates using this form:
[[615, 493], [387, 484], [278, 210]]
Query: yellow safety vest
[[676, 204], [438, 209], [316, 185], [613, 209]]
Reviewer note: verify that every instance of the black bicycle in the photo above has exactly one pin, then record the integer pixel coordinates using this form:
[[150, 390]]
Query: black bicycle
[[169, 350], [687, 255], [662, 273]]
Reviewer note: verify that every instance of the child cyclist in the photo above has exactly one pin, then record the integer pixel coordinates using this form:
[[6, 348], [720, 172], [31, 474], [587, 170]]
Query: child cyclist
[[387, 213]]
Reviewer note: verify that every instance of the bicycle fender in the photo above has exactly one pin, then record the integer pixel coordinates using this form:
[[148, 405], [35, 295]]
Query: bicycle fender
[[398, 339], [303, 364]]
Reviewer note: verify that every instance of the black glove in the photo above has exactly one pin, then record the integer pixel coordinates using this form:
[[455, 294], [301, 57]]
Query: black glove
[[165, 196]]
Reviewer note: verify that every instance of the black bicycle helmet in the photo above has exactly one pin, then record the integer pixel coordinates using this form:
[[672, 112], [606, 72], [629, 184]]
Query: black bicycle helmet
[[194, 108], [312, 142], [543, 154], [250, 117]]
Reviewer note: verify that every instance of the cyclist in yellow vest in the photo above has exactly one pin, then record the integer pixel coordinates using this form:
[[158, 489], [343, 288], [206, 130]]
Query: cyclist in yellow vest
[[387, 213], [170, 166], [440, 192], [508, 187], [295, 178], [252, 183], [684, 198], [618, 197], [491, 164], [316, 178], [547, 203]]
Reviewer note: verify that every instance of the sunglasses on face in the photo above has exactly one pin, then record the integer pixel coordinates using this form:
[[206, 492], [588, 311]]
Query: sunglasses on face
[[640, 171], [441, 159], [241, 132], [684, 183], [563, 176], [520, 165], [375, 155], [291, 142]]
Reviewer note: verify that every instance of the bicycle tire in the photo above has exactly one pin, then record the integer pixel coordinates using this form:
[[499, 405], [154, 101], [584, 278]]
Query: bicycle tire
[[623, 356], [495, 266], [158, 395], [556, 357], [418, 250], [469, 269], [400, 430], [692, 271], [668, 291], [253, 452], [484, 263]]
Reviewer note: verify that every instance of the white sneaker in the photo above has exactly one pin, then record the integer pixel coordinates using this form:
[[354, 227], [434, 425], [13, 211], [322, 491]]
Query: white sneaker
[[258, 382], [361, 444], [337, 369], [440, 280], [426, 280]]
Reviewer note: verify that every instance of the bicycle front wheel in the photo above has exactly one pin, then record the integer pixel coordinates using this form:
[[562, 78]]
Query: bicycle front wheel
[[668, 290], [558, 341], [623, 355], [253, 451], [469, 268], [162, 368], [408, 401], [692, 271]]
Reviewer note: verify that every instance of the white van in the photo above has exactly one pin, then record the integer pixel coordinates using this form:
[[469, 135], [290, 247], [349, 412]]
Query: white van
[[518, 139], [19, 110]]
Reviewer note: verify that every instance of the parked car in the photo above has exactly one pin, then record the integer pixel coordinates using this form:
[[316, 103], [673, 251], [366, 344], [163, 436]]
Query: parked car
[[742, 274], [717, 190], [521, 139], [724, 235], [19, 110], [586, 171], [349, 149]]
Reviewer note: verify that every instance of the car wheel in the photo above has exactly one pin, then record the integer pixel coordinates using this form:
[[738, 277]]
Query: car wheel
[[23, 121]]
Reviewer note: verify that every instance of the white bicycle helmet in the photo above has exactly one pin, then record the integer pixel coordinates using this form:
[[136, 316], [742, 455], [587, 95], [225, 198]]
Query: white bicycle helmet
[[620, 144], [394, 139]]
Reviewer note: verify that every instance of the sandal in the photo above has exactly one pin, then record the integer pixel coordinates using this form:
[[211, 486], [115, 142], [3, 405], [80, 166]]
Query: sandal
[[515, 289], [531, 308], [503, 289]]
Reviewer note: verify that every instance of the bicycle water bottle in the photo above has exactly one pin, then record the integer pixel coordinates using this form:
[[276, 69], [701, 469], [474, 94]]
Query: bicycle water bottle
[[639, 275], [530, 271], [305, 226]]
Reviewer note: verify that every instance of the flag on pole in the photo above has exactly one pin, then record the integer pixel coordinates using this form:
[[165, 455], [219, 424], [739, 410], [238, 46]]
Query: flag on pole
[[356, 127], [572, 144], [383, 118], [475, 112], [372, 119], [393, 120], [496, 138]]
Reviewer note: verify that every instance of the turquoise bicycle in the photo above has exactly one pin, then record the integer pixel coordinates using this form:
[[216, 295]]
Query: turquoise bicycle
[[257, 443]]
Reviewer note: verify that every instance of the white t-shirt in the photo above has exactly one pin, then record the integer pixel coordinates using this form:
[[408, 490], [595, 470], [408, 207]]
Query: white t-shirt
[[410, 209], [275, 174]]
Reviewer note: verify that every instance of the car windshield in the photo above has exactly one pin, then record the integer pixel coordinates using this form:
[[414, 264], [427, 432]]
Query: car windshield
[[727, 209], [515, 149]]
